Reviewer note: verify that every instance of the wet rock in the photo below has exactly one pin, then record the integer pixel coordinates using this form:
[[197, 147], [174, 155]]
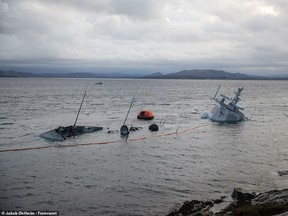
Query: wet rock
[[276, 197], [267, 203], [245, 204], [245, 208], [241, 194], [282, 214], [218, 201], [282, 173], [194, 208]]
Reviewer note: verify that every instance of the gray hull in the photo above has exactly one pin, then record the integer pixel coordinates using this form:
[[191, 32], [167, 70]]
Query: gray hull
[[223, 114], [61, 133]]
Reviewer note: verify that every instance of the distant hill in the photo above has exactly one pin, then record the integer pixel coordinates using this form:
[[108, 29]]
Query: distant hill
[[281, 76], [153, 75], [86, 75], [203, 74], [98, 75], [11, 73], [184, 74]]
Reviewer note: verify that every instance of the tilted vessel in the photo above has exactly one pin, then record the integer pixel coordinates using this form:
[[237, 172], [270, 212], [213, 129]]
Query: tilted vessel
[[227, 111]]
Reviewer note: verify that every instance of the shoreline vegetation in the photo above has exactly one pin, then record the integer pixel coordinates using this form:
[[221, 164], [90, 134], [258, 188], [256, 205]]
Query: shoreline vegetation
[[244, 204], [185, 74]]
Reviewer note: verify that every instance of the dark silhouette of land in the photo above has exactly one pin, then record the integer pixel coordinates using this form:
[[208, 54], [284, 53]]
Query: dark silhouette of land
[[203, 74], [184, 74]]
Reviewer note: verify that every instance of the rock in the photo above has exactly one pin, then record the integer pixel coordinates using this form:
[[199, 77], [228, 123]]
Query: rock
[[275, 197], [282, 214], [218, 201], [267, 203], [282, 173], [270, 203], [245, 208], [194, 208], [240, 194]]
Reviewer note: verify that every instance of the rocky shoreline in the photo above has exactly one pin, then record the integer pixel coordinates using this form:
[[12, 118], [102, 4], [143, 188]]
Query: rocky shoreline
[[244, 203]]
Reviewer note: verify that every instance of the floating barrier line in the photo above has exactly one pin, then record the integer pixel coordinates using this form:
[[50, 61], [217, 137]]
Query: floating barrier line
[[26, 149], [103, 143]]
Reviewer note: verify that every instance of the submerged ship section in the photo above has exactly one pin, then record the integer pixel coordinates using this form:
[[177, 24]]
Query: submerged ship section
[[228, 111]]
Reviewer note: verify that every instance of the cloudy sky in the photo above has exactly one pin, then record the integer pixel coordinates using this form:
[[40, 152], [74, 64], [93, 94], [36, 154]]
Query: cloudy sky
[[144, 36]]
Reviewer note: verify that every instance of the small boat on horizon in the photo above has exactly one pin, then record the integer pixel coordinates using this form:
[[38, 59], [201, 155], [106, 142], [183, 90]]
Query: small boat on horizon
[[227, 112]]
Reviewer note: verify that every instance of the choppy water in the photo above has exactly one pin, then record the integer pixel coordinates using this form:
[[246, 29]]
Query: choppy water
[[144, 177]]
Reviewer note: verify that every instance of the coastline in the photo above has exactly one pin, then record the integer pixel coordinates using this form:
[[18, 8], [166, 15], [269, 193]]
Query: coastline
[[244, 203]]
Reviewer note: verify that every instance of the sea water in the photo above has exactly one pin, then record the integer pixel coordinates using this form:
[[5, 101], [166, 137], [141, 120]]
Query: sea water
[[150, 172]]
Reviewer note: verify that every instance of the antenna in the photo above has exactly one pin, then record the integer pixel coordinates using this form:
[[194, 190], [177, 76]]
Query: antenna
[[124, 129], [178, 126], [216, 92], [80, 106], [128, 110]]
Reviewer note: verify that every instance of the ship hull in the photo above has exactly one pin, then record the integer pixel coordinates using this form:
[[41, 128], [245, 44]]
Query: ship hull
[[61, 133], [221, 113]]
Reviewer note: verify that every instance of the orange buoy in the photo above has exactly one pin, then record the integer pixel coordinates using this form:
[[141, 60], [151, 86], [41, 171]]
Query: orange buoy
[[145, 115]]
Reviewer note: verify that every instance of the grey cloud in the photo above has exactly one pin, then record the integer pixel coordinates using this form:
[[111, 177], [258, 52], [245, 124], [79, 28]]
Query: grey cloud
[[135, 33], [142, 9], [146, 9]]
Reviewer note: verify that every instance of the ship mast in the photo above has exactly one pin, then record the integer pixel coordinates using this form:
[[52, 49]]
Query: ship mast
[[236, 98]]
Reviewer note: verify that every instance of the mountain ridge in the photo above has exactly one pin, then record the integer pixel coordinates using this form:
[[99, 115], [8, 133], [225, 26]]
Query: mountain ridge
[[184, 74], [205, 74]]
